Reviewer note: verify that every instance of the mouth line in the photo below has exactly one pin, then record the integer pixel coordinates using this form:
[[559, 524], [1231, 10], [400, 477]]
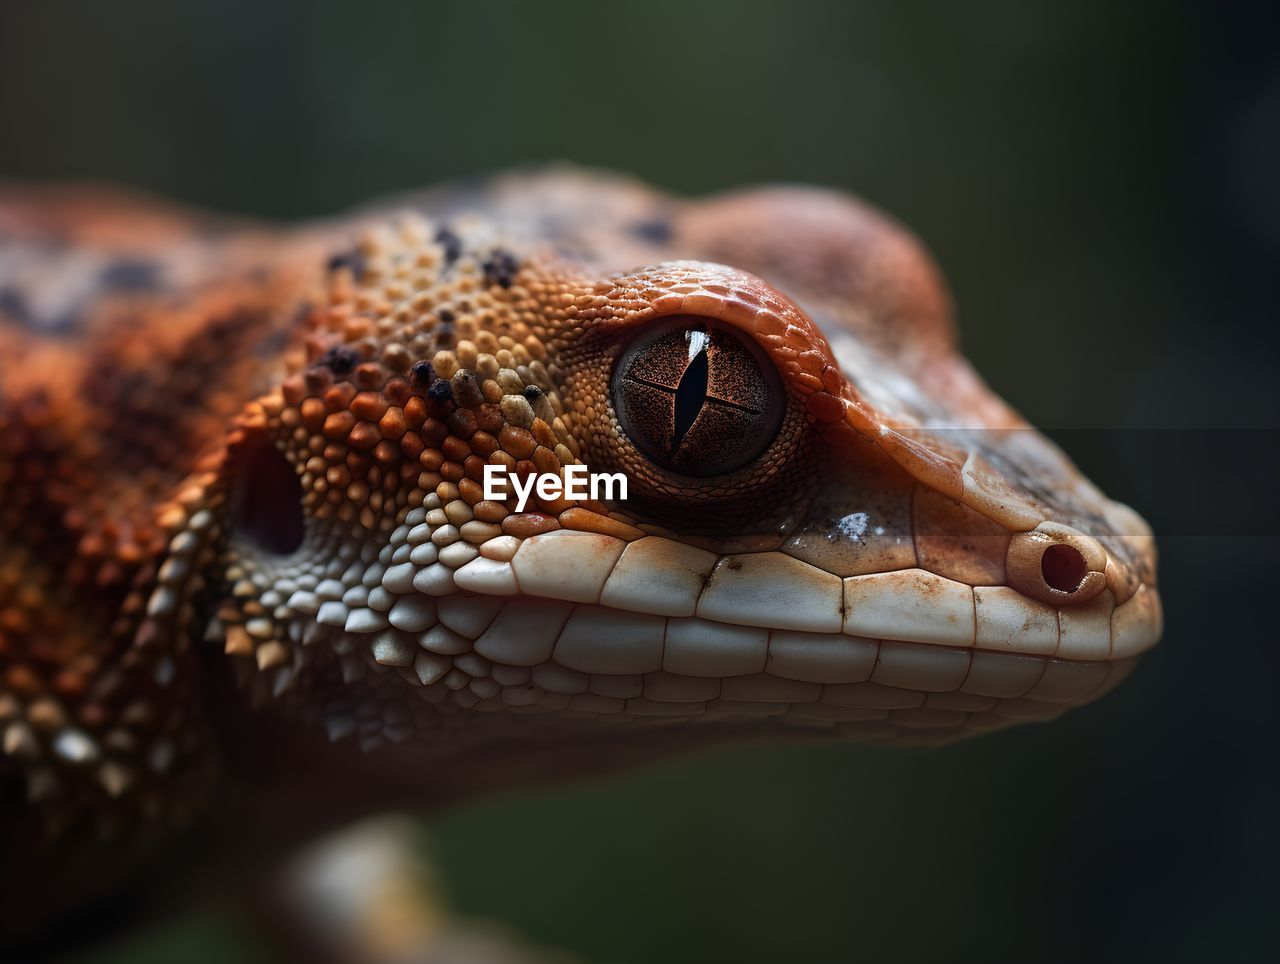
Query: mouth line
[[704, 672]]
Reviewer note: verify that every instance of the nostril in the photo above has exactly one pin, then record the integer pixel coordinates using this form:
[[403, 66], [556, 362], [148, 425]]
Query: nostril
[[266, 500], [1063, 567], [1056, 564]]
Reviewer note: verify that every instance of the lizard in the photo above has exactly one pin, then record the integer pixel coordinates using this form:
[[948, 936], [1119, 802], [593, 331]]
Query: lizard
[[250, 578]]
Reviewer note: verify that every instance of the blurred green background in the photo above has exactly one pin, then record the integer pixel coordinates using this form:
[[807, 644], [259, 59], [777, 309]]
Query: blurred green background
[[1098, 181]]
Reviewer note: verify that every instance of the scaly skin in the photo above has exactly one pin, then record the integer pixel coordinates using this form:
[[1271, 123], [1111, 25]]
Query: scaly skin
[[243, 543]]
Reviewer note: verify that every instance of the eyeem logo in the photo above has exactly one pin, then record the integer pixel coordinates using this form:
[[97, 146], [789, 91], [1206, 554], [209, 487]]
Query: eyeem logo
[[577, 483]]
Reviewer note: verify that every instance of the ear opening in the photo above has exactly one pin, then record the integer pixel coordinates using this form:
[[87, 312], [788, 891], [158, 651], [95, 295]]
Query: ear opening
[[266, 499]]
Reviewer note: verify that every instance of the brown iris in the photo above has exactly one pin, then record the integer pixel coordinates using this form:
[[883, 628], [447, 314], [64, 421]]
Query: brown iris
[[697, 398]]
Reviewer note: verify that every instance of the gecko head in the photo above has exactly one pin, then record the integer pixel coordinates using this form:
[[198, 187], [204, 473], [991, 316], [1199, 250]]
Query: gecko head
[[836, 535]]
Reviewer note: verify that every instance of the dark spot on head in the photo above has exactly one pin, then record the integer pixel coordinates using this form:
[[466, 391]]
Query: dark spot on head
[[1063, 567], [451, 243], [440, 391], [339, 359], [131, 274], [532, 393], [272, 344], [444, 330], [353, 260], [64, 322], [500, 268], [654, 230], [422, 373], [14, 304]]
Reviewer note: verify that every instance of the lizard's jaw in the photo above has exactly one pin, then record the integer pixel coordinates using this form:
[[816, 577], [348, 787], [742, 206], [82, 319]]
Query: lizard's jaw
[[603, 627]]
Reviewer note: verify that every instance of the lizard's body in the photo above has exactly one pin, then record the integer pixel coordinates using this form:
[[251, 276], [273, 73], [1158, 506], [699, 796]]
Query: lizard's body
[[242, 539]]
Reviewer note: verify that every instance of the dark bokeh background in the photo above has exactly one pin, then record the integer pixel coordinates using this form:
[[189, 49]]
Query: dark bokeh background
[[1100, 183]]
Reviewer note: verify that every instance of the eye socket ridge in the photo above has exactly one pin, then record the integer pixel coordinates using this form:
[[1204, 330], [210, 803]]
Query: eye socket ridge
[[696, 397]]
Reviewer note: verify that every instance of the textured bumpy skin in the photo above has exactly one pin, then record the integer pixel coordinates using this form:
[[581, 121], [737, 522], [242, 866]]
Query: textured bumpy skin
[[241, 515]]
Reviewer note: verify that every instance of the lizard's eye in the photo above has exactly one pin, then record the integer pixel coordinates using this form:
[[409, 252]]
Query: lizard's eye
[[696, 398]]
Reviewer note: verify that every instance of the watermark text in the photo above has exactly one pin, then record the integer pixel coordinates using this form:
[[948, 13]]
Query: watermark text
[[577, 483]]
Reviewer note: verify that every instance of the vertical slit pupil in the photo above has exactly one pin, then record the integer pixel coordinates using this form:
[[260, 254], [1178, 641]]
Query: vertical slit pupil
[[691, 393]]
